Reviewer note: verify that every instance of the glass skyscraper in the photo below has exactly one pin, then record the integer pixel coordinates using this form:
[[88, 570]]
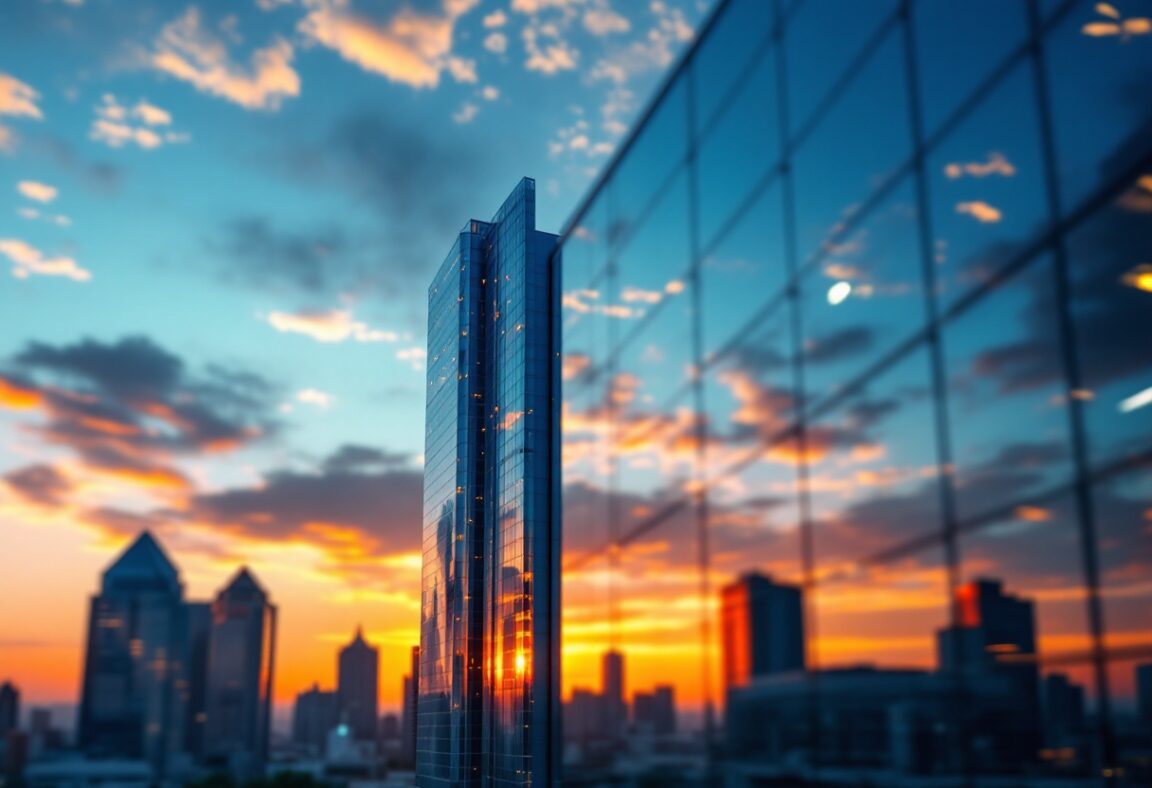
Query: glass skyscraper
[[489, 643], [864, 304]]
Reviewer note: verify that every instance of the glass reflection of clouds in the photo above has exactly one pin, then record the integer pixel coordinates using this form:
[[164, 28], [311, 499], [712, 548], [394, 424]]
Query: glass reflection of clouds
[[911, 382]]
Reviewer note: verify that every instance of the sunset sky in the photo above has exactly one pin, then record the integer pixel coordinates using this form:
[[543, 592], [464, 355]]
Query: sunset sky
[[218, 221]]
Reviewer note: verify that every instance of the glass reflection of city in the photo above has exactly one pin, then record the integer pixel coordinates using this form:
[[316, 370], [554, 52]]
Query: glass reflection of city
[[857, 406]]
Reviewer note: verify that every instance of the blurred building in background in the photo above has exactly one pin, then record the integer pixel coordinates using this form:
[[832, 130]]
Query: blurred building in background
[[171, 688], [358, 687], [862, 305], [314, 716]]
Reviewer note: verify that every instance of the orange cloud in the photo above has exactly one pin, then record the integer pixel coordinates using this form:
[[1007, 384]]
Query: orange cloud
[[980, 211], [336, 325], [411, 48], [191, 53], [17, 397]]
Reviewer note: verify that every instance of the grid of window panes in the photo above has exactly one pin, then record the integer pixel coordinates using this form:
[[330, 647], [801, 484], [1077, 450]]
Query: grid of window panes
[[452, 615], [864, 305], [487, 598], [519, 492]]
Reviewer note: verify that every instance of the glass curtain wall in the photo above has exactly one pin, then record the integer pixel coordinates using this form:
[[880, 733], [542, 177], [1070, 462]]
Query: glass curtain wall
[[863, 307]]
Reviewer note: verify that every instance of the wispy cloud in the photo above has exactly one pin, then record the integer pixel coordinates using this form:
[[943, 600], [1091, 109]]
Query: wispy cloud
[[466, 114], [143, 125], [190, 52], [310, 396], [18, 99], [27, 261], [332, 326], [411, 47], [40, 192]]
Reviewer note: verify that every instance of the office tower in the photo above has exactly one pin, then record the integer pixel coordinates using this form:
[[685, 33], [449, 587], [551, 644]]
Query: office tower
[[197, 635], [358, 687], [389, 728], [1144, 692], [241, 658], [613, 706], [408, 724], [129, 706], [761, 629], [9, 708], [583, 716], [655, 712], [489, 624], [314, 716], [1064, 718]]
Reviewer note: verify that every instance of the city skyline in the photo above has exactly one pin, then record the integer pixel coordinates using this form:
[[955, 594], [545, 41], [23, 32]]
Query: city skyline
[[814, 445]]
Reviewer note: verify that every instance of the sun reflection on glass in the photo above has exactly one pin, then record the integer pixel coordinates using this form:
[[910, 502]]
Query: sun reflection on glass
[[838, 292]]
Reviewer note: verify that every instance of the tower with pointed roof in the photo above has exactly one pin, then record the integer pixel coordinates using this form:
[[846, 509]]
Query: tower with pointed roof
[[130, 704], [358, 684], [241, 657]]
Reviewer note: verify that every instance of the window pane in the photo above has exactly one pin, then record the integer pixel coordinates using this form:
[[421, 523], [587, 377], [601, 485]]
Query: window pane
[[987, 180], [739, 150], [856, 148], [740, 33], [1099, 79], [649, 162], [744, 272], [959, 45], [873, 468], [823, 37], [1111, 272], [865, 298], [1007, 397]]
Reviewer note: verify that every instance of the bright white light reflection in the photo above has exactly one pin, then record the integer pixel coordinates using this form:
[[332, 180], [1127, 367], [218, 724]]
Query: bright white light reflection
[[838, 292], [1137, 400]]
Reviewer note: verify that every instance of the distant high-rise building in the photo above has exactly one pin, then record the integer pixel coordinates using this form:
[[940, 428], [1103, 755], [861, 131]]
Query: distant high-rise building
[[240, 664], [613, 706], [9, 708], [1144, 692], [314, 716], [130, 707], [582, 716], [1064, 718], [996, 635], [408, 723], [358, 687], [389, 727], [761, 629], [655, 712], [198, 633], [489, 619]]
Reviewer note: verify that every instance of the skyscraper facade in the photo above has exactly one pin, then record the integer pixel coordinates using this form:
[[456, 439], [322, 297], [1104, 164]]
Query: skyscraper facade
[[130, 706], [314, 716], [862, 303], [9, 708], [358, 687], [489, 621], [239, 677], [410, 694], [761, 629]]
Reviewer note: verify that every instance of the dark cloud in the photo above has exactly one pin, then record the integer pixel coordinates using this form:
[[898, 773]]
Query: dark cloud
[[134, 367], [418, 189], [100, 176], [320, 261], [39, 484], [840, 344], [352, 457], [1112, 321], [126, 406]]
